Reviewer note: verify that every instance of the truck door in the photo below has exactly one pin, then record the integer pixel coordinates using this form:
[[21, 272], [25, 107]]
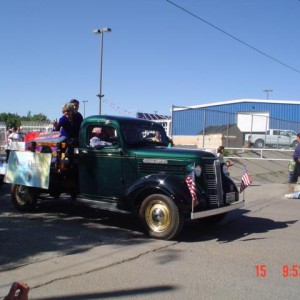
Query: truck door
[[100, 168], [284, 138]]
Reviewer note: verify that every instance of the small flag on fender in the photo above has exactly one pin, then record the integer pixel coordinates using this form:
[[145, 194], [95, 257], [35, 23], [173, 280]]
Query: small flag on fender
[[190, 181], [246, 180]]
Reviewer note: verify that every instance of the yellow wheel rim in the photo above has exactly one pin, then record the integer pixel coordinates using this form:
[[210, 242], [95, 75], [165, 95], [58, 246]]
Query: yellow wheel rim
[[157, 216]]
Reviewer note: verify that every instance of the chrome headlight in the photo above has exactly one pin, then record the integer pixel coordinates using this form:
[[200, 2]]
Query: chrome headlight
[[195, 169], [198, 170]]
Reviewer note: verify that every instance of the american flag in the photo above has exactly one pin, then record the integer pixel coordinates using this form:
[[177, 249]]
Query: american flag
[[246, 180], [190, 181]]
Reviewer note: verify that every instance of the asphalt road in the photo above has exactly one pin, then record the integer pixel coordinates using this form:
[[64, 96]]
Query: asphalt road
[[81, 252]]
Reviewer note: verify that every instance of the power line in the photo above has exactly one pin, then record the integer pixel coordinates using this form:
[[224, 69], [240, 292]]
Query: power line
[[117, 108], [235, 38]]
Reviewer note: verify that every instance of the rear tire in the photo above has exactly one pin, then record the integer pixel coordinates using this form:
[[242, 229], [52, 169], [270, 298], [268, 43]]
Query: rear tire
[[24, 198], [161, 217]]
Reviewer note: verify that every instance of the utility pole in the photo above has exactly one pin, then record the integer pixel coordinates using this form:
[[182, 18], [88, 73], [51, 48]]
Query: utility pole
[[267, 92]]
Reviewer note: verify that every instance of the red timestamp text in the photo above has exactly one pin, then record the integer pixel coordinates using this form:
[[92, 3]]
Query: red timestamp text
[[261, 270], [291, 270], [287, 271]]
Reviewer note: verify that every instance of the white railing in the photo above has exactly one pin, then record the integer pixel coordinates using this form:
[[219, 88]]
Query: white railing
[[260, 152]]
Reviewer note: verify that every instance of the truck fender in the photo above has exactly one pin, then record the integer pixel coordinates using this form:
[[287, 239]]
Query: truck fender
[[228, 185], [171, 186]]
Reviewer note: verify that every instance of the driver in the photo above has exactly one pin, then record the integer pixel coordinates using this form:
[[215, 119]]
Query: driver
[[95, 141]]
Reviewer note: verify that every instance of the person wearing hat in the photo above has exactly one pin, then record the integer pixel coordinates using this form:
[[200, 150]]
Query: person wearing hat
[[95, 141]]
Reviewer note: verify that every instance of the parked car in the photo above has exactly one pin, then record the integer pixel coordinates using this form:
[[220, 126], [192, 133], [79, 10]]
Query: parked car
[[272, 137]]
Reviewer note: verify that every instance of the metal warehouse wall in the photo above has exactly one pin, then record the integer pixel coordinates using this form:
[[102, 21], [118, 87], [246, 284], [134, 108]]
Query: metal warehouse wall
[[190, 121]]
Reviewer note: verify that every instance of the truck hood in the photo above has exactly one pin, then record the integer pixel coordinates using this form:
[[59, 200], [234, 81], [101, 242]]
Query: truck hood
[[171, 153]]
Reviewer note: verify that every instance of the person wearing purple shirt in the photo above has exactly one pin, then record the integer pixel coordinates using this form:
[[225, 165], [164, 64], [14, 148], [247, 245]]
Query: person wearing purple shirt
[[69, 123], [296, 157]]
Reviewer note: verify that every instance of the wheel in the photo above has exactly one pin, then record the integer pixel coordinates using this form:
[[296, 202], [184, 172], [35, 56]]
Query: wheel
[[24, 198], [294, 144], [259, 144], [161, 217]]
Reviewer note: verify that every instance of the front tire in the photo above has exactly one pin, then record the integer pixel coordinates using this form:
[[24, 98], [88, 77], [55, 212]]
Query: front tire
[[294, 144], [259, 144], [161, 217], [24, 198]]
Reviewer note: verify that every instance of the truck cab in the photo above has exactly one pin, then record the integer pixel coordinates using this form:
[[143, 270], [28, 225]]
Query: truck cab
[[136, 171]]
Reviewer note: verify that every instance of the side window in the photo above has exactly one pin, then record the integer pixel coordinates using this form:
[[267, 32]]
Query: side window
[[283, 133], [102, 136]]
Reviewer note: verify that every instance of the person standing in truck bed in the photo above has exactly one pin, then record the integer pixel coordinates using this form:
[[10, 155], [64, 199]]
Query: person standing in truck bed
[[75, 103], [69, 123]]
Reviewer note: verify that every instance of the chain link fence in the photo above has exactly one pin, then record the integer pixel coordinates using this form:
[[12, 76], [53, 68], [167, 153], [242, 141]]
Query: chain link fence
[[216, 128]]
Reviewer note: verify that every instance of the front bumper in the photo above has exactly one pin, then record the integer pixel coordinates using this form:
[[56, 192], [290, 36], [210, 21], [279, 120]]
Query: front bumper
[[217, 211]]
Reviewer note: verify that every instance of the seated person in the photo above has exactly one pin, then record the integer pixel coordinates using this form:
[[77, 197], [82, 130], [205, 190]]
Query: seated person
[[157, 137], [95, 141]]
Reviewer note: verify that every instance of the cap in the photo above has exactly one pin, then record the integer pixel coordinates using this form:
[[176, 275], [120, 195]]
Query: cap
[[97, 130]]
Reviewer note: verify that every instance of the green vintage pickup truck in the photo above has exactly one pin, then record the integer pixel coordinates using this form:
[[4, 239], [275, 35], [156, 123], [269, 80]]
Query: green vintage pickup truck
[[134, 172]]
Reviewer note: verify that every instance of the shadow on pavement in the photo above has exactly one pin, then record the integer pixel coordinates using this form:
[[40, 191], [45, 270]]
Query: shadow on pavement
[[155, 291], [233, 227]]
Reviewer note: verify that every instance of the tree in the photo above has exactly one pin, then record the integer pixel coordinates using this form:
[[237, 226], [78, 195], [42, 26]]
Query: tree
[[14, 120], [40, 117], [11, 120]]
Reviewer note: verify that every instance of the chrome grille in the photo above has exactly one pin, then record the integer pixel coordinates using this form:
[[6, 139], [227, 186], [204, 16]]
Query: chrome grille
[[157, 168], [213, 183]]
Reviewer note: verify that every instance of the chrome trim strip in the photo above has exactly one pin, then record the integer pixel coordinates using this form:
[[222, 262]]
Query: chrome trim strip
[[216, 211]]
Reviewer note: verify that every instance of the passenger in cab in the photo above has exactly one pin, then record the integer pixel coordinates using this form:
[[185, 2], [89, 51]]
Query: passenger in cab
[[157, 137], [95, 141]]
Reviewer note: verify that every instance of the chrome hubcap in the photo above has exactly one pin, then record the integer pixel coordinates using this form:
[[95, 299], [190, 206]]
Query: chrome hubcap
[[158, 216]]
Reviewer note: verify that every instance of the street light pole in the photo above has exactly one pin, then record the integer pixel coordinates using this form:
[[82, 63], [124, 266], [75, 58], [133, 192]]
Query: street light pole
[[84, 101], [268, 91], [101, 31]]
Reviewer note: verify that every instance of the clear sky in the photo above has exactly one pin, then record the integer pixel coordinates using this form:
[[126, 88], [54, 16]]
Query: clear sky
[[156, 55]]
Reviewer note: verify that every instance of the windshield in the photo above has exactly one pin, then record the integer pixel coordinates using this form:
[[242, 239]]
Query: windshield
[[138, 135]]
